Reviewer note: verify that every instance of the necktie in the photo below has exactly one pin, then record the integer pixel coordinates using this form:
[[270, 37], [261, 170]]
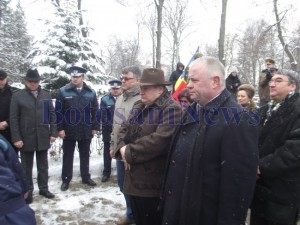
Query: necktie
[[78, 89], [34, 93]]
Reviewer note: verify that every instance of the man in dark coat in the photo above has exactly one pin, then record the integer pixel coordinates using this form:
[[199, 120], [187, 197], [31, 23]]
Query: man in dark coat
[[233, 82], [176, 74], [32, 130], [6, 92], [107, 108], [211, 169], [277, 192], [76, 108], [13, 188], [144, 140]]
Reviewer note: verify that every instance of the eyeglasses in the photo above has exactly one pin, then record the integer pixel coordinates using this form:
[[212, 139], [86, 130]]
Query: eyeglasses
[[277, 81], [126, 78]]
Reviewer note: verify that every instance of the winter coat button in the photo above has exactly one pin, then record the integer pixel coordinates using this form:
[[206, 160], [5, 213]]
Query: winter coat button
[[169, 193], [184, 132], [173, 162]]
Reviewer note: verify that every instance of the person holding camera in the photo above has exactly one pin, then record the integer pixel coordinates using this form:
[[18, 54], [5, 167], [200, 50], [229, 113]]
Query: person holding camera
[[264, 78]]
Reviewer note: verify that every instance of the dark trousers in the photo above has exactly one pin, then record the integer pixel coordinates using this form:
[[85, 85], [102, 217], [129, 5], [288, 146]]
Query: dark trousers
[[106, 160], [120, 176], [257, 220], [42, 168], [145, 210], [68, 158]]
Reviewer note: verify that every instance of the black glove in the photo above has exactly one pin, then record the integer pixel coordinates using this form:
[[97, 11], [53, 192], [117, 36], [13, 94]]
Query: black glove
[[268, 74]]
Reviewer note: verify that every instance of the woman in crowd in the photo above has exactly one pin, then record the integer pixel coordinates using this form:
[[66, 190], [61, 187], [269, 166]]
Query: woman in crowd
[[185, 99], [245, 96]]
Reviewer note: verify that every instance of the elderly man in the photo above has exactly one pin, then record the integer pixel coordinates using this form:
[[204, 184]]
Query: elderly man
[[107, 108], [31, 132], [211, 169], [77, 104], [277, 193], [144, 140]]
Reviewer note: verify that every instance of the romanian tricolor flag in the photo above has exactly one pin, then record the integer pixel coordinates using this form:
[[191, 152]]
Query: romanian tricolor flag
[[181, 81]]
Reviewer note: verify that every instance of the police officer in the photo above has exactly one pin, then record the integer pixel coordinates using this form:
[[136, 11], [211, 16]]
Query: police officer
[[76, 109], [13, 188], [107, 107]]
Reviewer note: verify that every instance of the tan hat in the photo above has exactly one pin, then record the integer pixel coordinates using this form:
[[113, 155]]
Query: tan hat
[[153, 76]]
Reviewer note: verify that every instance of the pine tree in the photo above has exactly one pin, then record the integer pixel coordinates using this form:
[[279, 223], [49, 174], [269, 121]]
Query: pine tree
[[15, 42], [64, 46]]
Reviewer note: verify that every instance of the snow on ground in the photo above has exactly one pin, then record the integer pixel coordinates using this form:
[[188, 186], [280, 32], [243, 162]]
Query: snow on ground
[[80, 204]]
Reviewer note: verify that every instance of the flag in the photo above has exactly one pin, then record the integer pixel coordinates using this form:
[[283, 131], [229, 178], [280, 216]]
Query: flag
[[181, 81]]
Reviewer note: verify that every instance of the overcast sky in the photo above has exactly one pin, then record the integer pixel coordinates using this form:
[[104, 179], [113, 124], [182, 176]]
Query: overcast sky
[[109, 18]]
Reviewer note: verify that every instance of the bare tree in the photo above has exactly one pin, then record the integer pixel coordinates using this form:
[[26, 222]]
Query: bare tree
[[159, 7], [177, 22], [285, 46], [222, 32], [83, 29]]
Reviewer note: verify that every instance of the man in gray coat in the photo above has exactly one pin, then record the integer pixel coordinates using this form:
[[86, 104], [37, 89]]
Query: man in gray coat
[[32, 130]]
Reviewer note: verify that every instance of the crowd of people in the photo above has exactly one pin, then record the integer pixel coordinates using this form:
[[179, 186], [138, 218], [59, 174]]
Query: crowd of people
[[207, 159]]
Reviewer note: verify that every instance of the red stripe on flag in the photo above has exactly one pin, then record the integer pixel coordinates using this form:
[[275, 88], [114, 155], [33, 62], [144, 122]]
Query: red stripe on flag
[[181, 86]]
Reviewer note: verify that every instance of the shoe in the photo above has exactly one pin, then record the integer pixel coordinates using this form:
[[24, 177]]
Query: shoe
[[64, 186], [125, 221], [46, 194], [29, 199], [89, 182], [104, 178]]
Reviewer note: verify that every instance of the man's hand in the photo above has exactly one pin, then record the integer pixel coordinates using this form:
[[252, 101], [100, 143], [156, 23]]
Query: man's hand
[[3, 125], [112, 153], [122, 151], [52, 139], [18, 144], [61, 134]]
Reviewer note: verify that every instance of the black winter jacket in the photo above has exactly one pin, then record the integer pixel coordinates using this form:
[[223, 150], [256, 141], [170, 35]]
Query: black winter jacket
[[76, 112]]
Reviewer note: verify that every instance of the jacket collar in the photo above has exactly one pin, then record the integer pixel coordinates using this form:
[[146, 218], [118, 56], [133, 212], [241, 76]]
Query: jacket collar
[[131, 92], [71, 86]]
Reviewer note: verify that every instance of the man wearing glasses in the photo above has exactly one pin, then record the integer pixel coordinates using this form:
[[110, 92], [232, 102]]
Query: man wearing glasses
[[130, 79], [277, 193]]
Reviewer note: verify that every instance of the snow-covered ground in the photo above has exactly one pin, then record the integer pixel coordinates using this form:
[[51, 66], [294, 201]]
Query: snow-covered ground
[[81, 204]]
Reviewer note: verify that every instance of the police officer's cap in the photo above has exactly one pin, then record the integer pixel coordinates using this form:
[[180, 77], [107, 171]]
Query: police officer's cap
[[76, 71], [115, 84]]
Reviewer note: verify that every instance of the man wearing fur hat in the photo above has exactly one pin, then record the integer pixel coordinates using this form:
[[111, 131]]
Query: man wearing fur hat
[[31, 131], [277, 193], [144, 140], [264, 78]]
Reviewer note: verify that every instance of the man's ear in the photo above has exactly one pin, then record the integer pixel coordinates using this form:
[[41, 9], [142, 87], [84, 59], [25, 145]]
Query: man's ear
[[216, 81]]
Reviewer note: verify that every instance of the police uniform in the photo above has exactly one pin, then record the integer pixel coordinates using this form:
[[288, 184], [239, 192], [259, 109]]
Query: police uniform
[[107, 107], [76, 115]]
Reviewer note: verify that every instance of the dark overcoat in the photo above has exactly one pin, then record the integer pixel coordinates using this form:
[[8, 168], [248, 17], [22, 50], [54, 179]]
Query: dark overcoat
[[147, 134], [211, 168], [277, 193], [107, 108], [32, 120]]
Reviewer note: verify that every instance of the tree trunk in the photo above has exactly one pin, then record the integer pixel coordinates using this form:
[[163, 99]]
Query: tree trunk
[[222, 33], [280, 36], [159, 7], [83, 30]]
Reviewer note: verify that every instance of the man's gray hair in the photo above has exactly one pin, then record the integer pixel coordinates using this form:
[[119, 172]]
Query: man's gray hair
[[292, 75], [133, 69], [214, 67]]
